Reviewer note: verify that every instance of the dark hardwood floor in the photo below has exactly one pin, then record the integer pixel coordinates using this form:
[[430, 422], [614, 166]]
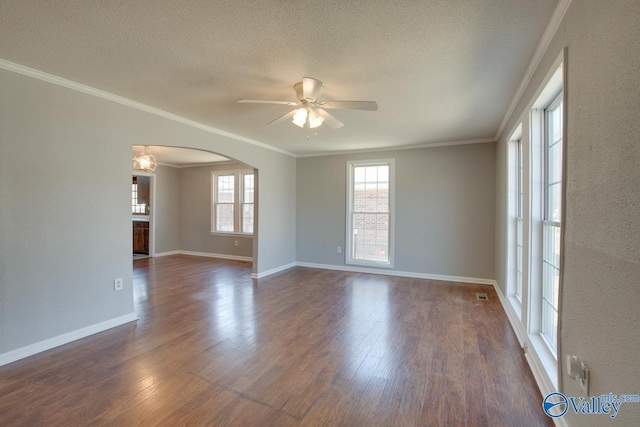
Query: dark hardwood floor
[[303, 347]]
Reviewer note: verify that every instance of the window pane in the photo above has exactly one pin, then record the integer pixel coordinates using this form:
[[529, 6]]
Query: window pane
[[555, 163], [549, 324], [371, 196], [224, 217], [248, 189], [550, 282], [370, 206], [554, 202], [371, 236], [226, 185], [247, 218]]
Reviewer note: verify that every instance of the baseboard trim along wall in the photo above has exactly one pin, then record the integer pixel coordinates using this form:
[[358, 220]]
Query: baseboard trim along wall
[[206, 254], [353, 269], [516, 324], [169, 253], [545, 385], [273, 271], [39, 347]]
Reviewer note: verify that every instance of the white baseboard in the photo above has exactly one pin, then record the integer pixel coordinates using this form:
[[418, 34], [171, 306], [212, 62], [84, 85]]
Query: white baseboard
[[273, 271], [159, 254], [30, 350], [544, 383], [205, 254], [386, 272], [516, 324]]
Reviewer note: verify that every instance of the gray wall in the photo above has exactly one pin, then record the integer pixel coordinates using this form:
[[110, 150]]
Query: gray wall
[[444, 209], [58, 253], [600, 295], [167, 212], [65, 222], [195, 214]]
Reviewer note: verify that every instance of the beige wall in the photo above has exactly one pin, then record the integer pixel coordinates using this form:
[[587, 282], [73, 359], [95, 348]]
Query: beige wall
[[444, 209], [600, 295]]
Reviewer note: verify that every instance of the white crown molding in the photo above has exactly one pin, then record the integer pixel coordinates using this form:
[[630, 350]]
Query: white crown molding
[[402, 147], [50, 78], [549, 32]]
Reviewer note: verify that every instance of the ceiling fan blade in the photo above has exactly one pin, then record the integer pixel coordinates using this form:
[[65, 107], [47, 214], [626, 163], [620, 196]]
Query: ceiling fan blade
[[350, 105], [311, 88], [329, 120], [261, 101], [283, 117]]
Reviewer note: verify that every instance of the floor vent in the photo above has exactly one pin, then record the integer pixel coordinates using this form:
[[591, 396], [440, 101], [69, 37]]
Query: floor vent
[[482, 296]]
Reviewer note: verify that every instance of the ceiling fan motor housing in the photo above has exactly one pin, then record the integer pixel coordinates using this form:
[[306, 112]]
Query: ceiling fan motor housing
[[298, 88]]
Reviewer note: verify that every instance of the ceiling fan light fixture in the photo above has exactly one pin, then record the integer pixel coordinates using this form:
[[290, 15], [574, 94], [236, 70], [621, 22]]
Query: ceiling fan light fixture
[[315, 119], [145, 162], [309, 112], [300, 117]]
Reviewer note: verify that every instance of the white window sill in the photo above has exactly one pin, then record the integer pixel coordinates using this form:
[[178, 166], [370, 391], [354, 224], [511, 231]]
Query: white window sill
[[221, 233]]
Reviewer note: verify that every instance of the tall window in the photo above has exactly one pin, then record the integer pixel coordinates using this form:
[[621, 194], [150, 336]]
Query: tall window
[[224, 204], [551, 226], [233, 194], [370, 213], [247, 204], [519, 220]]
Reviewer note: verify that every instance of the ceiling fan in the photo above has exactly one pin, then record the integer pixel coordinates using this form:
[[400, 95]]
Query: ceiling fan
[[310, 112]]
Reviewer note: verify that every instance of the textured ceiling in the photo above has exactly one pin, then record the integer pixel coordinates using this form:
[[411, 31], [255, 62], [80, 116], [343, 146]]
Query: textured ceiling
[[440, 70]]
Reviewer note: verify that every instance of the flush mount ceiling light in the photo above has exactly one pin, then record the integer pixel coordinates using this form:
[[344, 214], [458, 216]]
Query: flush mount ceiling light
[[309, 111], [145, 162]]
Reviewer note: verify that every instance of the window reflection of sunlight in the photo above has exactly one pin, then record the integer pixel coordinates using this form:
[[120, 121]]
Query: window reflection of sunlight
[[233, 311], [148, 386], [369, 321]]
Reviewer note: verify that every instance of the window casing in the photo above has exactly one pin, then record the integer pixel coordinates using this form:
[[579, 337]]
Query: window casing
[[232, 209], [519, 220], [551, 223], [370, 213], [248, 191]]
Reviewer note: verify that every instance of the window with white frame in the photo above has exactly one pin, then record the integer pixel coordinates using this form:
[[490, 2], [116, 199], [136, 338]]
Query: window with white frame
[[247, 203], [136, 207], [534, 200], [233, 202], [519, 219], [370, 213], [551, 225]]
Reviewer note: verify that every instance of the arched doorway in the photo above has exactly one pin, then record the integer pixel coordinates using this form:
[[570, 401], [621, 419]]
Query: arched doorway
[[196, 202]]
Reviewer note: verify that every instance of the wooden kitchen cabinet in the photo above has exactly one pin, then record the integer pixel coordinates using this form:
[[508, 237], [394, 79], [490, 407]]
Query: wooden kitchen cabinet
[[141, 237]]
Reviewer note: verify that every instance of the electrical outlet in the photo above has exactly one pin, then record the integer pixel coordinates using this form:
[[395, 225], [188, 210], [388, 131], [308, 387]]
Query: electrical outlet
[[339, 250], [584, 381], [236, 243], [117, 284]]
